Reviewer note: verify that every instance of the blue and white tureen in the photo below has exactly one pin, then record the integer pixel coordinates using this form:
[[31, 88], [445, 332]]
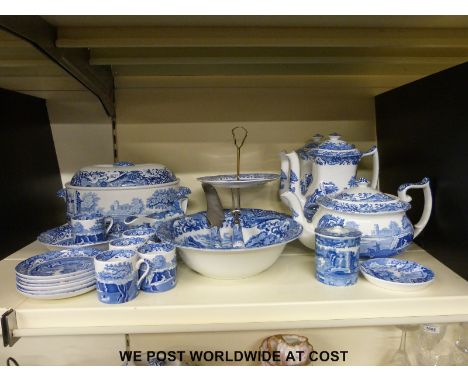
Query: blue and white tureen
[[386, 230], [125, 189]]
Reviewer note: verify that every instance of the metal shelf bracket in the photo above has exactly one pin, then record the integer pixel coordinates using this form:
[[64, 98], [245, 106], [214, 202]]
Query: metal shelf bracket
[[9, 324]]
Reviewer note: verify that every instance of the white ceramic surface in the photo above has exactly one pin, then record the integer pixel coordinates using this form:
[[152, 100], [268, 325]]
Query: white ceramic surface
[[232, 263]]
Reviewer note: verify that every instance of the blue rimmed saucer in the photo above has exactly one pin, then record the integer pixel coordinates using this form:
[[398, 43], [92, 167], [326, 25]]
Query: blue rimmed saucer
[[61, 237], [397, 274], [58, 264]]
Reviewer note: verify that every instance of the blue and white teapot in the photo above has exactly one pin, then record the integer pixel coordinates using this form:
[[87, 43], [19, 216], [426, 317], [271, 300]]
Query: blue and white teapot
[[334, 164], [386, 230]]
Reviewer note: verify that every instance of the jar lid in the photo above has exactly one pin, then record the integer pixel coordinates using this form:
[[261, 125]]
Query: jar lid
[[362, 199], [338, 232], [123, 174]]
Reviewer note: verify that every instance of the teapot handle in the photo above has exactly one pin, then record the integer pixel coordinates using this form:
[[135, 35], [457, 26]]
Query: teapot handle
[[375, 165], [424, 184]]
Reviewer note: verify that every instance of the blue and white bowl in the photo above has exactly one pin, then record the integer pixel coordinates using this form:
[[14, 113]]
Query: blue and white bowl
[[397, 274], [210, 251]]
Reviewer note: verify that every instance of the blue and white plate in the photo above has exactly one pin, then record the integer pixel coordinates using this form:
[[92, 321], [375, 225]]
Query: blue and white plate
[[244, 181], [397, 274], [61, 237], [55, 287], [57, 264], [56, 281], [57, 295]]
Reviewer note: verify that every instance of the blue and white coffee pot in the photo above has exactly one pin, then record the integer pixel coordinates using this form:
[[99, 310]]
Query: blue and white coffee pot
[[334, 164]]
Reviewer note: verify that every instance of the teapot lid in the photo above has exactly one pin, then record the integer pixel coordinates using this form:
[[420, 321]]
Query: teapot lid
[[362, 199], [123, 174]]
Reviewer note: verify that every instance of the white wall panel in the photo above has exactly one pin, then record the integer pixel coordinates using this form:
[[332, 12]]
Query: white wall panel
[[82, 134]]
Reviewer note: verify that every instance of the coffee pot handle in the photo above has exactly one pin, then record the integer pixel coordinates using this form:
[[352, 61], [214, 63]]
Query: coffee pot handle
[[109, 221], [424, 184], [375, 165], [145, 273]]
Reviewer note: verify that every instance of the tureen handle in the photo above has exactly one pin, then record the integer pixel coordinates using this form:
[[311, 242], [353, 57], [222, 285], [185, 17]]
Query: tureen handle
[[424, 184], [62, 193], [375, 165]]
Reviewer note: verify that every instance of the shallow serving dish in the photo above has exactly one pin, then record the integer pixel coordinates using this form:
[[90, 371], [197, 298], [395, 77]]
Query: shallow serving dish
[[209, 251], [397, 274]]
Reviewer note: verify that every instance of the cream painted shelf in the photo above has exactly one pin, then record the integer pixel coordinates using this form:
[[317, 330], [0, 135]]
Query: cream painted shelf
[[285, 296]]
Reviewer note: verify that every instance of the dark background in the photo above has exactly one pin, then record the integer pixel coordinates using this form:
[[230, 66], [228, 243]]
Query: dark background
[[422, 130], [29, 172]]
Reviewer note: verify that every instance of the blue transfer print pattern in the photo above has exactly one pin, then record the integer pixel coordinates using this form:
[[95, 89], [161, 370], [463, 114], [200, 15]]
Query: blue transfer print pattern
[[397, 270], [337, 260], [260, 228], [293, 179], [119, 178]]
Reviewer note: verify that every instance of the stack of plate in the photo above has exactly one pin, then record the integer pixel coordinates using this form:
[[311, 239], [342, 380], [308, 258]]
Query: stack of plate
[[57, 274]]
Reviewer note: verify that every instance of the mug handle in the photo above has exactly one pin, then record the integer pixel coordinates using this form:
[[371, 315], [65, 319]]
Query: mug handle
[[110, 221], [145, 273]]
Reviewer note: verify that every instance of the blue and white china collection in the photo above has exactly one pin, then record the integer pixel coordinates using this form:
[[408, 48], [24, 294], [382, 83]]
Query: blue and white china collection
[[337, 255], [159, 271], [126, 221]]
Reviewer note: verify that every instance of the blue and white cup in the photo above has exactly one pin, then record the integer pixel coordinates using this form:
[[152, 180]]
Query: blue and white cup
[[90, 228], [117, 276], [147, 233], [337, 255], [130, 243], [160, 266]]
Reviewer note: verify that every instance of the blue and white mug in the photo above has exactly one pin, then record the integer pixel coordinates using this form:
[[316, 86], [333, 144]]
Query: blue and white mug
[[159, 274], [337, 255], [117, 276], [90, 228]]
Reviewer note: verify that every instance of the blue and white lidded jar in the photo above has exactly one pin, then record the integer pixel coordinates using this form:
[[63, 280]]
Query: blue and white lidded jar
[[337, 255]]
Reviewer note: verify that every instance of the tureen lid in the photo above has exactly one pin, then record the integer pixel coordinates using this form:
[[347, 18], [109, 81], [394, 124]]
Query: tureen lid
[[123, 174], [362, 199], [336, 146]]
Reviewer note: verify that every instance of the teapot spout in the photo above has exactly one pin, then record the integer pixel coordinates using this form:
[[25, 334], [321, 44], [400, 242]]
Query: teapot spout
[[308, 233]]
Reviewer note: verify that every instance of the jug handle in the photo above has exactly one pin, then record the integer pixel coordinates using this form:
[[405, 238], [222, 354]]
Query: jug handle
[[375, 165], [284, 178], [424, 184]]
